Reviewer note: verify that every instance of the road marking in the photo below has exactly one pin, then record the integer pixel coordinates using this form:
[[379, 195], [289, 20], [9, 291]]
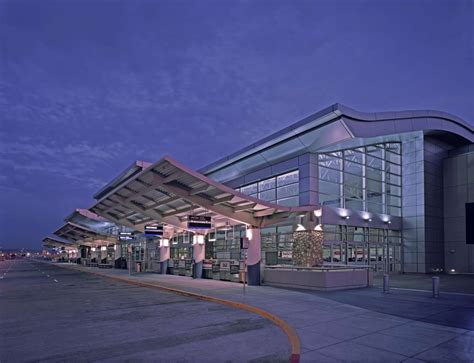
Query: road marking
[[56, 280], [47, 275]]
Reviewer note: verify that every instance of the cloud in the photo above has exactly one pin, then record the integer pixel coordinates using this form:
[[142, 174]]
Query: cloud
[[77, 163]]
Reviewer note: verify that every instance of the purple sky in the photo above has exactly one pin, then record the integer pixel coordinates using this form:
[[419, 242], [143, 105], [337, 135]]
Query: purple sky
[[87, 87]]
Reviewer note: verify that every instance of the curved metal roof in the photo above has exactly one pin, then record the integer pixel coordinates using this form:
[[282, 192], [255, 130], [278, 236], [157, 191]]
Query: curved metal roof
[[332, 125]]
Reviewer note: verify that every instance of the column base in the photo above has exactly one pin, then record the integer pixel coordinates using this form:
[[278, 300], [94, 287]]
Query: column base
[[197, 270], [164, 267], [254, 274]]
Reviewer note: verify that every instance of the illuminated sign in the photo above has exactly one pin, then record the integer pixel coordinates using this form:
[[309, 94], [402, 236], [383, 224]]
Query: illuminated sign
[[199, 222], [153, 230], [126, 236]]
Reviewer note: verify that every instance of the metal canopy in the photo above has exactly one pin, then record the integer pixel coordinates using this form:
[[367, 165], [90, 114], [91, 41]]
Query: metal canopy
[[91, 221], [51, 242], [167, 192], [80, 235]]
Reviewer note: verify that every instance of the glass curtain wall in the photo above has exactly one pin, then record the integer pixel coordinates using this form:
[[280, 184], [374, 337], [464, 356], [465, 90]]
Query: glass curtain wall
[[181, 246], [366, 178], [281, 189], [377, 247], [277, 245], [181, 254]]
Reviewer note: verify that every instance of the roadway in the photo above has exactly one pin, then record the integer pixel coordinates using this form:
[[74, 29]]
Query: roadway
[[52, 314]]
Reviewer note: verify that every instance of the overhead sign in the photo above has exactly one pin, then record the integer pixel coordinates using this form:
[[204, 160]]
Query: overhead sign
[[153, 230], [126, 236], [199, 222]]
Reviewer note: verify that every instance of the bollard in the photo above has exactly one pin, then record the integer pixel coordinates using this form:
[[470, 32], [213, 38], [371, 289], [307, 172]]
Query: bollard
[[435, 284], [386, 285]]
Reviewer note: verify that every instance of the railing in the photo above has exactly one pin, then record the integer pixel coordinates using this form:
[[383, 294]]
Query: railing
[[324, 268]]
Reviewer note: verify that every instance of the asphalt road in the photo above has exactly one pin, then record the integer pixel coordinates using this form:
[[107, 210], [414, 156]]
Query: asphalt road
[[51, 314]]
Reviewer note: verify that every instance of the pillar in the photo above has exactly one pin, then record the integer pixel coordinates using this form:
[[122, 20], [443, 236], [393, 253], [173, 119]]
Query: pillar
[[199, 248], [117, 250], [164, 255], [254, 256]]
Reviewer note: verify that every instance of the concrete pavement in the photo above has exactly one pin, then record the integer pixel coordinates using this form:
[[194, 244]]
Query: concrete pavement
[[453, 283], [337, 331]]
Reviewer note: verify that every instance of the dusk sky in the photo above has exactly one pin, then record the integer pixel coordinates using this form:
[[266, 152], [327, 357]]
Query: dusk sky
[[87, 87]]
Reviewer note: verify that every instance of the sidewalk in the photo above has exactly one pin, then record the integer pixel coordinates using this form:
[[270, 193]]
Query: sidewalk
[[331, 330], [448, 282]]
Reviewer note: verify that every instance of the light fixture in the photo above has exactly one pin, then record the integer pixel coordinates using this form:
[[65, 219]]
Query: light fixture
[[165, 242], [452, 270], [249, 233], [103, 248], [318, 213], [300, 227], [198, 239], [319, 227], [366, 217], [93, 249]]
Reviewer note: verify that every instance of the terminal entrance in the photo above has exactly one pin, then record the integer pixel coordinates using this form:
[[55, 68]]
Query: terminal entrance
[[379, 248], [224, 257], [141, 255], [181, 255]]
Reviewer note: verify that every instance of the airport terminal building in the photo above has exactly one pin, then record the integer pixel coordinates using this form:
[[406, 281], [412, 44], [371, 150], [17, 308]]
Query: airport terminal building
[[388, 192]]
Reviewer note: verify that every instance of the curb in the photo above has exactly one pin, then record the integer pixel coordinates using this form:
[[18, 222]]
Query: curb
[[283, 325]]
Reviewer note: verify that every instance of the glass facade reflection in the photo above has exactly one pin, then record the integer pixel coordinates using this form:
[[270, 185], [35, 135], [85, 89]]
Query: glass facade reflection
[[366, 178], [377, 247], [281, 189]]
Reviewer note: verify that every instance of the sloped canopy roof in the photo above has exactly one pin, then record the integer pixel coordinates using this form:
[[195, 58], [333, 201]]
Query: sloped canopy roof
[[132, 170], [90, 221], [167, 192], [81, 235], [52, 242]]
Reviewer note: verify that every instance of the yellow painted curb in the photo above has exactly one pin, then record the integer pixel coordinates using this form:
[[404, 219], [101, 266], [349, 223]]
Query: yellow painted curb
[[283, 325]]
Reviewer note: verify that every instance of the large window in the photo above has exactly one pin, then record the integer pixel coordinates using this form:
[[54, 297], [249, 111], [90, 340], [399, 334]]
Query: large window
[[281, 189], [364, 178], [377, 247]]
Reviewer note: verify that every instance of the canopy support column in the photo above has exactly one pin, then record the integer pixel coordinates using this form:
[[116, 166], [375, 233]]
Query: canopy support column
[[254, 256], [199, 248], [164, 256]]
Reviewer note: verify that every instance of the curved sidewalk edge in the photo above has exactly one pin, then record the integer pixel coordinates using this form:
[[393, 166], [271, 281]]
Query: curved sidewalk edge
[[283, 325]]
